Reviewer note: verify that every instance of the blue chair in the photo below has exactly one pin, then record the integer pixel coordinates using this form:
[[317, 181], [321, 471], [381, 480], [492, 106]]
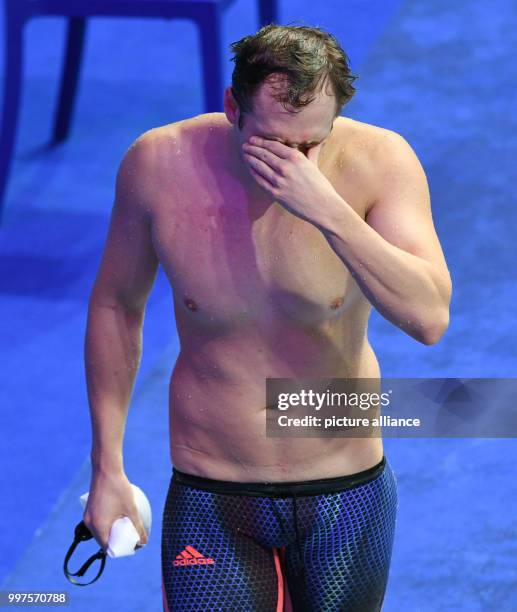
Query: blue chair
[[207, 14]]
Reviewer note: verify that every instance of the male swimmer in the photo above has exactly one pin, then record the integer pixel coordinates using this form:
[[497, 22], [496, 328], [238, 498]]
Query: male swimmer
[[279, 223]]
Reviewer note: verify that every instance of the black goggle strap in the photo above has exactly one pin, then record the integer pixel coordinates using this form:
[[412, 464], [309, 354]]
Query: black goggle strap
[[82, 533]]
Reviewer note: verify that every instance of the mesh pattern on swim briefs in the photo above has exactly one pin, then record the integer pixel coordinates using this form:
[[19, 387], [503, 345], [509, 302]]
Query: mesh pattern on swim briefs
[[346, 540]]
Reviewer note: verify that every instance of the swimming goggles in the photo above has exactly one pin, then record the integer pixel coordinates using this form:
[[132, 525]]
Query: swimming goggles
[[82, 533]]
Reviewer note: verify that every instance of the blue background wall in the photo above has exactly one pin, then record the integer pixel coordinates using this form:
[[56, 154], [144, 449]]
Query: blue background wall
[[439, 73]]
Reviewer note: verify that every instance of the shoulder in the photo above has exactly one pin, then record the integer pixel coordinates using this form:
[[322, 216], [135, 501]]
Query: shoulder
[[139, 154], [389, 148], [149, 155], [167, 145], [186, 129], [159, 160], [148, 146], [385, 150], [142, 164], [371, 139]]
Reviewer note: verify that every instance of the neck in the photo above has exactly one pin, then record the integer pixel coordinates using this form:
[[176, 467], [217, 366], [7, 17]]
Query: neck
[[237, 166]]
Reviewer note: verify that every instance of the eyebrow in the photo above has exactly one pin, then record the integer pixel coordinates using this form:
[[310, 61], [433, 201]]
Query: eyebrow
[[310, 142], [271, 137]]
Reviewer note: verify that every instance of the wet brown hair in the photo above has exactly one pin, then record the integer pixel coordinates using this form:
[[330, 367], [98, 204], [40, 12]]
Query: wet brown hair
[[305, 58]]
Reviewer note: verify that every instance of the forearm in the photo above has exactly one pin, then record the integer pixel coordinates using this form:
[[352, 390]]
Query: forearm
[[112, 351], [405, 289]]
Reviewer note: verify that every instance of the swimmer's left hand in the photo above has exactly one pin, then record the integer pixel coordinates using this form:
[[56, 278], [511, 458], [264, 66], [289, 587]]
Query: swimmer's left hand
[[292, 178]]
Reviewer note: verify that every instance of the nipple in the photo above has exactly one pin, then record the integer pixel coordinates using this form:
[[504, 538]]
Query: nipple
[[337, 303], [190, 304]]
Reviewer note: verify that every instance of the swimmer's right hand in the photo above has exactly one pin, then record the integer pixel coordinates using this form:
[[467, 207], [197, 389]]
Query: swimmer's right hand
[[110, 498]]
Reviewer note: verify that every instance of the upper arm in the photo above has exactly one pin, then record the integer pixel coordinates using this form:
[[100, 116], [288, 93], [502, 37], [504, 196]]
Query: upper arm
[[402, 213], [129, 263]]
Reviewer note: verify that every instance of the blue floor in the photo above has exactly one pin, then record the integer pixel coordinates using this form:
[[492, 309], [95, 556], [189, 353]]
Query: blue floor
[[439, 73]]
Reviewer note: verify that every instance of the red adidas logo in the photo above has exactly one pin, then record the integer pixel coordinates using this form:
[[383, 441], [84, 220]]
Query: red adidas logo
[[190, 556]]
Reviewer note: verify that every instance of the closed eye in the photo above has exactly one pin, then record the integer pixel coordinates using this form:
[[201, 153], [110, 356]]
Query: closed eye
[[305, 145]]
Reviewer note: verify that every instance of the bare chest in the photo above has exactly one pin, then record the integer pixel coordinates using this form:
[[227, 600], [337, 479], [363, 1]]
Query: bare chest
[[231, 263]]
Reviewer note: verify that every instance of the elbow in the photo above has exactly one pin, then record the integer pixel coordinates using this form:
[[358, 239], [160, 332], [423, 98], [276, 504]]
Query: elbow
[[434, 331]]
